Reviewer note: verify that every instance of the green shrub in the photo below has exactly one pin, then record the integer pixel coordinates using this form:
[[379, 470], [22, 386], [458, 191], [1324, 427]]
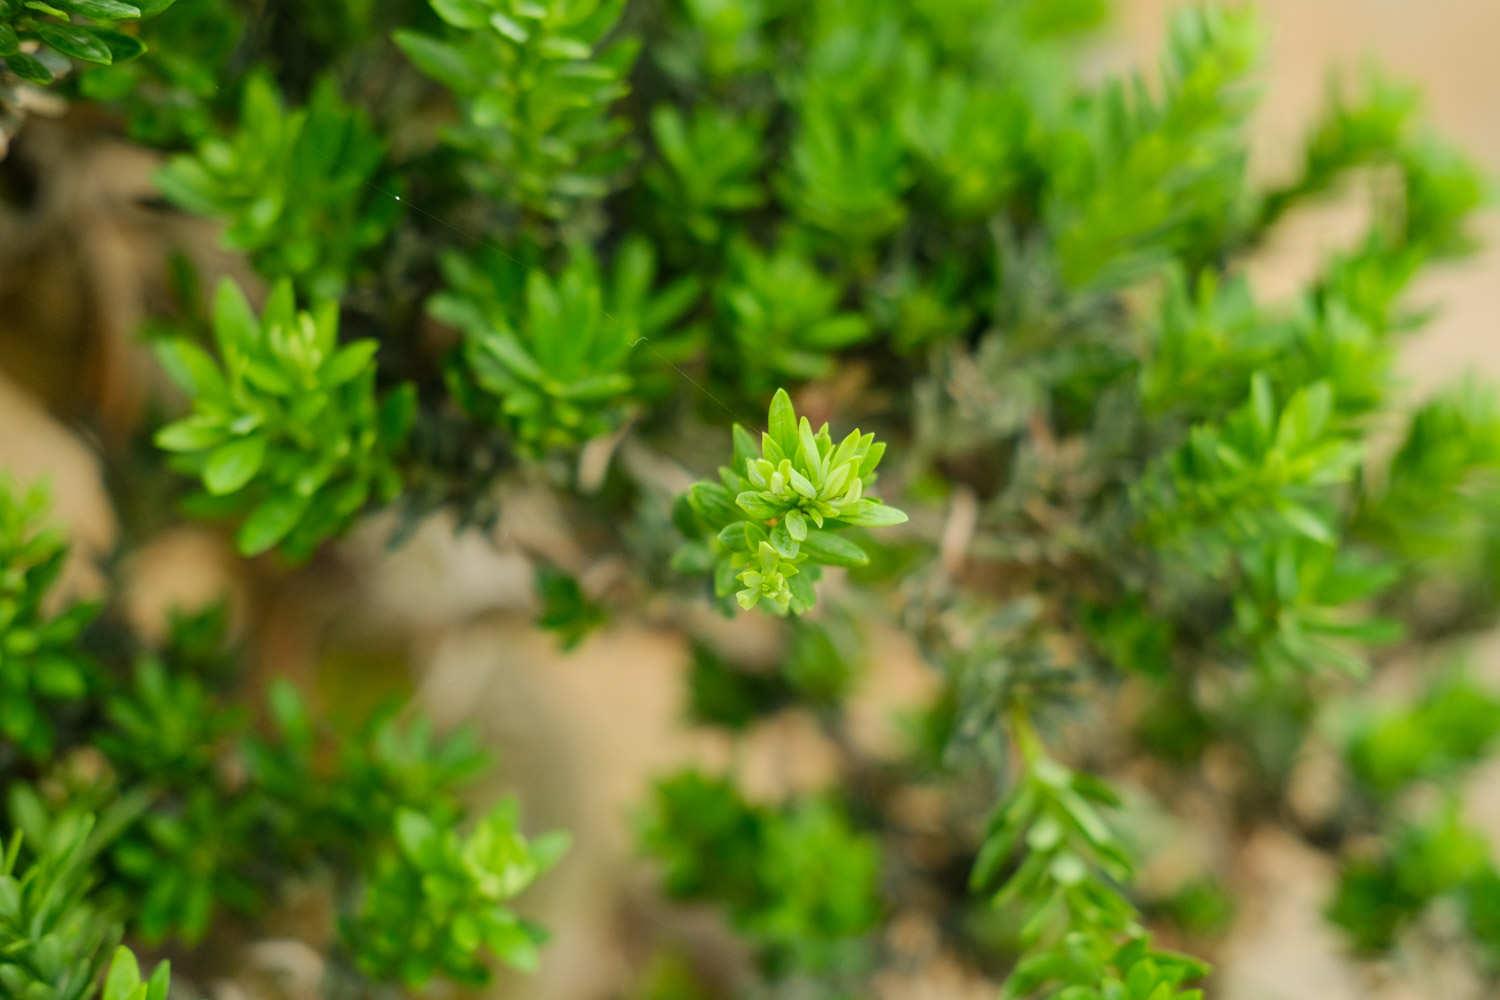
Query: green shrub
[[562, 245]]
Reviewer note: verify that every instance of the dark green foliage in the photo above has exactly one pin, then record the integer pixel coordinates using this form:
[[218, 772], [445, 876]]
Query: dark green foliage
[[565, 609], [845, 176], [1449, 729], [330, 796], [170, 94], [1133, 970], [707, 171], [54, 936], [1445, 733], [286, 429], [1299, 607], [1434, 505], [798, 881], [1126, 469], [718, 42], [187, 860], [297, 187], [55, 932], [53, 943], [817, 669], [782, 312], [41, 667], [1377, 897], [1082, 935], [559, 361], [719, 694], [1258, 474], [198, 814], [1201, 908], [819, 891], [825, 660], [37, 41], [1140, 176], [704, 835], [536, 82], [435, 902], [227, 807], [1363, 130], [963, 140], [723, 694]]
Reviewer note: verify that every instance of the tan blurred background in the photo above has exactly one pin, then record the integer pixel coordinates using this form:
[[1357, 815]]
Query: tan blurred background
[[580, 735]]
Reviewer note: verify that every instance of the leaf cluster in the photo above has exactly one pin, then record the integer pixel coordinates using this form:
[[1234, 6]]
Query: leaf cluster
[[1081, 934], [557, 361], [172, 94], [798, 881], [41, 667], [436, 902], [536, 82], [200, 812], [298, 187], [287, 429], [773, 519], [38, 41]]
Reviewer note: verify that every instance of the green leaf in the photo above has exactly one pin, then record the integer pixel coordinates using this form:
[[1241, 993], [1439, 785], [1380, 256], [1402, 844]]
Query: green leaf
[[191, 367], [597, 387], [782, 422], [161, 982], [562, 47], [194, 433], [232, 465], [782, 541], [269, 523], [548, 849], [397, 414], [75, 41], [832, 549], [124, 976], [439, 60], [350, 361], [28, 68], [515, 946], [755, 504], [873, 514], [510, 28], [416, 835], [468, 14], [122, 47], [1305, 522], [58, 677], [103, 10], [235, 325]]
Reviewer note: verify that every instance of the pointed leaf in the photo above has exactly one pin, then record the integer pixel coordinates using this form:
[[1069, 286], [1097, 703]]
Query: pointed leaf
[[75, 41], [270, 523], [782, 422], [873, 514], [233, 465], [833, 549]]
